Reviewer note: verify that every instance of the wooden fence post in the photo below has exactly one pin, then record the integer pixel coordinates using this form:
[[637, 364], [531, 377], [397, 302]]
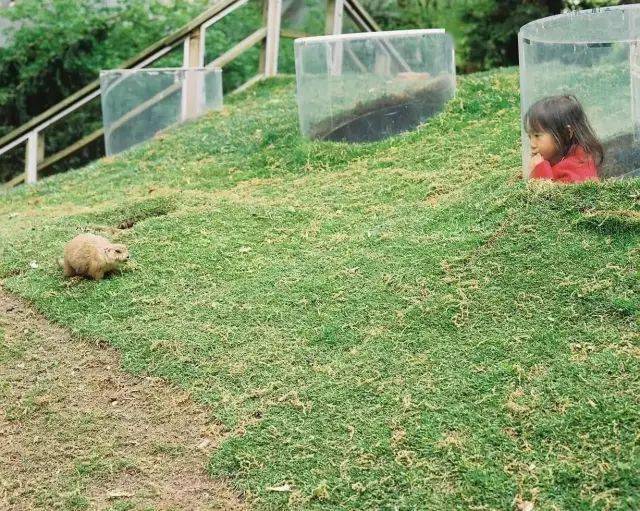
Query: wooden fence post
[[192, 87], [34, 155], [333, 26], [335, 12], [194, 49], [269, 54]]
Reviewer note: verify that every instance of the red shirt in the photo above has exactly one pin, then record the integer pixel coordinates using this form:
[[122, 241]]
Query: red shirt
[[575, 167]]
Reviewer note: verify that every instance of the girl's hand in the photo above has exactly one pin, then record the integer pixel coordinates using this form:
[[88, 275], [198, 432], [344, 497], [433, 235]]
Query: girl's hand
[[535, 160]]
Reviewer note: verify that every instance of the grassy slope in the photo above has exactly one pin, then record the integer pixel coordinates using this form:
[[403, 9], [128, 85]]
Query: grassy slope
[[400, 324]]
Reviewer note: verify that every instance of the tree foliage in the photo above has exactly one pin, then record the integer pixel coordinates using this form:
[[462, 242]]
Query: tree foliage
[[485, 31]]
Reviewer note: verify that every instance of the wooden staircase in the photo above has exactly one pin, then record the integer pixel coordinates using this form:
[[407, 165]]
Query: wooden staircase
[[192, 37]]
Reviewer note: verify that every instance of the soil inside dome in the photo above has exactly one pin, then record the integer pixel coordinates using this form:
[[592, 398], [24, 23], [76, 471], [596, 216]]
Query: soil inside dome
[[386, 116], [621, 157]]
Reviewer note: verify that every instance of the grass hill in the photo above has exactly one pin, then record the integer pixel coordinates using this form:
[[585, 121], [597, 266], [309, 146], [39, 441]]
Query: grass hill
[[399, 325]]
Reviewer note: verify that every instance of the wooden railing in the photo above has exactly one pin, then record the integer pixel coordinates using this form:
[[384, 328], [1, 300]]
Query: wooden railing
[[192, 37]]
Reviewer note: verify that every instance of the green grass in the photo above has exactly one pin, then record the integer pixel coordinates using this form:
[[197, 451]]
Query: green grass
[[401, 325]]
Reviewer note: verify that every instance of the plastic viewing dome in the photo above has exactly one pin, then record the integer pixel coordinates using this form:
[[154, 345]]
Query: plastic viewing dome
[[138, 103], [367, 86], [595, 56]]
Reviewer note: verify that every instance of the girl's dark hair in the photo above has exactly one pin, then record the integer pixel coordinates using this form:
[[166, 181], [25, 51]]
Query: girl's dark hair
[[564, 118]]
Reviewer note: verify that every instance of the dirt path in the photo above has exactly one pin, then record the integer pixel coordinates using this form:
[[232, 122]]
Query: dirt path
[[77, 433]]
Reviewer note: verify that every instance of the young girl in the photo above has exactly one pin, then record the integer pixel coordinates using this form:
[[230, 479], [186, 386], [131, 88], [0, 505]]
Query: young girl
[[564, 146]]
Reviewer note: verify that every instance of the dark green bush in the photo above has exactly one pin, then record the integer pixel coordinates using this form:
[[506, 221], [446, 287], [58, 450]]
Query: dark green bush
[[485, 31], [491, 30]]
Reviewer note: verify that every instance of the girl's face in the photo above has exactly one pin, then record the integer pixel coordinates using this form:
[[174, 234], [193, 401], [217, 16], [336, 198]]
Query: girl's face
[[544, 144]]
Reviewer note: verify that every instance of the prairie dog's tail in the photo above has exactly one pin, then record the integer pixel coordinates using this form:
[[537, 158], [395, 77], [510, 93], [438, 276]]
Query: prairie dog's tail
[[61, 263]]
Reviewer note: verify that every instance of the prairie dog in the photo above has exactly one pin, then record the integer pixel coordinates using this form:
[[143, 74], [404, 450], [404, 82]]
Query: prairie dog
[[88, 255]]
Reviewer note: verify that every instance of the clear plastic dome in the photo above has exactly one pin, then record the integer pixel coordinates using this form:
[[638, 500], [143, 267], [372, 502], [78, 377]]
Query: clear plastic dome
[[138, 103], [368, 86], [595, 56]]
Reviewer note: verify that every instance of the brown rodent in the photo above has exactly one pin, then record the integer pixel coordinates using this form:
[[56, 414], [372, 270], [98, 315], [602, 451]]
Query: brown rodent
[[88, 255]]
